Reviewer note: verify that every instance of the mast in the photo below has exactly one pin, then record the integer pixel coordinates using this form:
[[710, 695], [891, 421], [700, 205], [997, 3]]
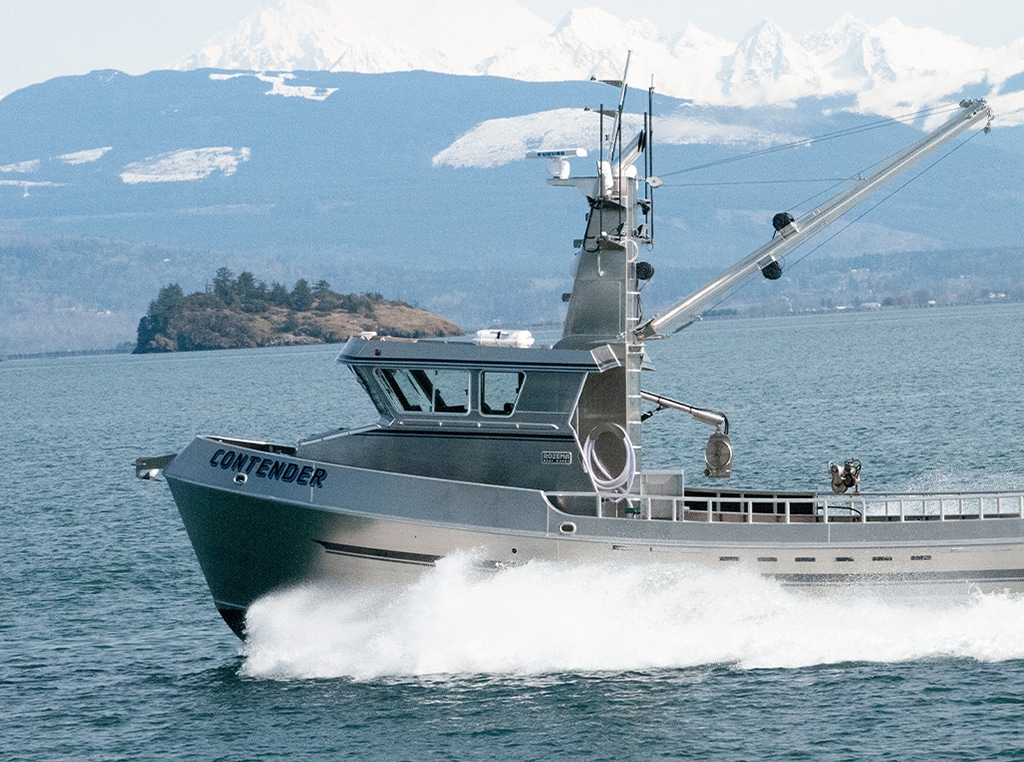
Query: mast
[[604, 304], [793, 232]]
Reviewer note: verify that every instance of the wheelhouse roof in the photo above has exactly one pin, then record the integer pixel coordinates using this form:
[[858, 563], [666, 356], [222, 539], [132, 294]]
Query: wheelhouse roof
[[444, 353]]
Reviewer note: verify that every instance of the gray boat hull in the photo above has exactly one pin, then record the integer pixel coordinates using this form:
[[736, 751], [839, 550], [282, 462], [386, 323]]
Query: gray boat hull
[[262, 519]]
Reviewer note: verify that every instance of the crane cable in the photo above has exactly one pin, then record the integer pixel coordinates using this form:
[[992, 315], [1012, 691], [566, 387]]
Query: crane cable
[[860, 216]]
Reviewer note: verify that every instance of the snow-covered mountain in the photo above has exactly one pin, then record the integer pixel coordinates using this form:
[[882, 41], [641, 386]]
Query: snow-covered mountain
[[769, 66], [890, 68], [445, 36]]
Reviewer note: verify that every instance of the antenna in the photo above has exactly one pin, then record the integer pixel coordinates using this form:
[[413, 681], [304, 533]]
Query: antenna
[[649, 186], [617, 169], [615, 136]]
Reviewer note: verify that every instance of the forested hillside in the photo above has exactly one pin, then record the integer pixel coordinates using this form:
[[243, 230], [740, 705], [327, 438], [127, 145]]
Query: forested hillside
[[241, 312]]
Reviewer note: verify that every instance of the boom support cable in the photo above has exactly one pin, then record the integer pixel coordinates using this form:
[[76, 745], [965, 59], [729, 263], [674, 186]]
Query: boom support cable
[[903, 119], [839, 231]]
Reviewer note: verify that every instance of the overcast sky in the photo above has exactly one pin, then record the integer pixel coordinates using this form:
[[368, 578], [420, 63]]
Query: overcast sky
[[41, 39]]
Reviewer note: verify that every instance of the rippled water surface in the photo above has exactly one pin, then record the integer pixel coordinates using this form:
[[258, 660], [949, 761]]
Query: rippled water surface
[[110, 647]]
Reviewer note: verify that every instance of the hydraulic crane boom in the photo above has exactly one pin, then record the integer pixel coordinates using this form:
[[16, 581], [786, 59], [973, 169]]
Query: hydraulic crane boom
[[793, 232]]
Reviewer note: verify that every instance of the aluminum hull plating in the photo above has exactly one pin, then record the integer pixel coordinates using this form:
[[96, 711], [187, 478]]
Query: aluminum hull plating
[[255, 536]]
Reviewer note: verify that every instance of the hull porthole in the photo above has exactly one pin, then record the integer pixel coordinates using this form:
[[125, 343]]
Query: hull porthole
[[567, 527]]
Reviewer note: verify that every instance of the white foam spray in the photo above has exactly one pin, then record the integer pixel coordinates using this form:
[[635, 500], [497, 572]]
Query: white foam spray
[[548, 618]]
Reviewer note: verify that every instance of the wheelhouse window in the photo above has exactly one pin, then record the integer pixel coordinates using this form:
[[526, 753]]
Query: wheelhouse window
[[427, 391], [499, 392]]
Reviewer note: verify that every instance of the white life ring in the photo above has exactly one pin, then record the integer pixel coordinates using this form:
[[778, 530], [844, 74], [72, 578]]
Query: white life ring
[[603, 479]]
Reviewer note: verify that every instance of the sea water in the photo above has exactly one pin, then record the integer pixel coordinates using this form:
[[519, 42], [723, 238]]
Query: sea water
[[110, 647]]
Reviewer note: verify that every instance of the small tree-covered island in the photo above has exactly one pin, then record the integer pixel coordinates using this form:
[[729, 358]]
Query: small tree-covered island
[[242, 312]]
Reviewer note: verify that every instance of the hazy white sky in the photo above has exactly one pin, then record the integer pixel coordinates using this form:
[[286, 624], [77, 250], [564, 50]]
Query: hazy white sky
[[40, 39]]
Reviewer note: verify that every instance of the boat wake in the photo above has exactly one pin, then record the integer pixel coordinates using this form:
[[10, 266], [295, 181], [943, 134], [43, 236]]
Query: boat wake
[[547, 618]]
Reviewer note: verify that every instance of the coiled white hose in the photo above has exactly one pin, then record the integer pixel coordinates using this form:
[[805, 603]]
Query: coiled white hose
[[604, 480]]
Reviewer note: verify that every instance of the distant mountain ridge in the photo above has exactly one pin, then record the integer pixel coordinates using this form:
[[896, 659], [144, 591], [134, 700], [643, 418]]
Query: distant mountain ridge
[[414, 185], [890, 68]]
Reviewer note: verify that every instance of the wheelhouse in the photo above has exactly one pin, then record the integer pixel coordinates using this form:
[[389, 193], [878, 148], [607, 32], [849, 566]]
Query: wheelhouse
[[413, 384]]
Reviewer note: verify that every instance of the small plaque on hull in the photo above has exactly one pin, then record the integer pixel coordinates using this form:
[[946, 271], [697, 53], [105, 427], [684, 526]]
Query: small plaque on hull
[[556, 458]]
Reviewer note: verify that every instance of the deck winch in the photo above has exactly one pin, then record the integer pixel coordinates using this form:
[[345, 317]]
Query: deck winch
[[845, 477]]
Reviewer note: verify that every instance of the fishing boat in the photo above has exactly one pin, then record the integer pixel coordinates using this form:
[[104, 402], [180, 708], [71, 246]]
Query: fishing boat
[[513, 451]]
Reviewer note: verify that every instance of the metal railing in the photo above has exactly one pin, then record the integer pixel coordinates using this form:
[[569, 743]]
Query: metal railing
[[925, 507], [704, 505]]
